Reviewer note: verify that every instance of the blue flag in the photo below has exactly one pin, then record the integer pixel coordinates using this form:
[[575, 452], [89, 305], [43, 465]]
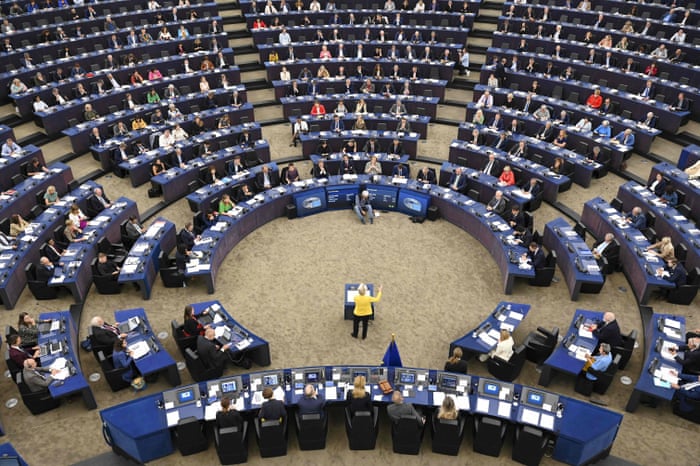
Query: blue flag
[[392, 356]]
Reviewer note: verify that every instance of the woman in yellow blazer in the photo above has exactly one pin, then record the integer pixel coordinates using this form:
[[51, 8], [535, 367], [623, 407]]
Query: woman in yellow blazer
[[363, 309]]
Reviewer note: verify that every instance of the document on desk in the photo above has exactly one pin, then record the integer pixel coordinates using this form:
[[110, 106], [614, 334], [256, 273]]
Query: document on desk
[[664, 373], [172, 417], [487, 339], [665, 347], [506, 326], [530, 416], [462, 402], [504, 408], [482, 405], [243, 344], [438, 398], [279, 393], [219, 331], [584, 332], [515, 315], [140, 349], [547, 421], [350, 296], [211, 410], [257, 398], [331, 393], [672, 332], [581, 353]]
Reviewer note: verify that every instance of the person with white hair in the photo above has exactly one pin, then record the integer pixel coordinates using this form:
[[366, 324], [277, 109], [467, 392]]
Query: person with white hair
[[104, 334], [363, 308], [363, 207]]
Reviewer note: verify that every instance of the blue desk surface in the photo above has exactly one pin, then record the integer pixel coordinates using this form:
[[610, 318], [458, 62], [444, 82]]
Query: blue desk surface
[[6, 449], [154, 361], [680, 180], [22, 199], [506, 315], [564, 360], [689, 155]]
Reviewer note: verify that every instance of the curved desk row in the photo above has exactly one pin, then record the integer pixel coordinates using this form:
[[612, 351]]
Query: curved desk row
[[12, 165], [336, 85], [681, 182], [251, 6], [433, 69], [24, 102], [336, 141], [662, 332], [476, 157], [141, 265], [359, 160], [56, 119], [576, 165], [67, 335], [174, 182], [600, 218], [14, 279], [297, 106], [140, 428], [689, 155], [207, 197], [375, 122], [94, 58], [485, 337], [575, 259], [668, 120], [76, 273], [22, 197], [317, 195], [643, 136], [139, 167], [668, 222]]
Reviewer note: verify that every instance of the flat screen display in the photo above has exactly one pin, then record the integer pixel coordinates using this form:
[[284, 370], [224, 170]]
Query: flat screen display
[[185, 396], [228, 387], [311, 377], [383, 197], [270, 380], [492, 389], [535, 398], [448, 382], [413, 203], [310, 202], [341, 197], [407, 378]]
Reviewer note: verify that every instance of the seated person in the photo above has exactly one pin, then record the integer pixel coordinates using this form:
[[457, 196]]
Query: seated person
[[324, 149], [72, 233], [596, 365], [133, 228], [267, 178], [605, 248], [372, 146], [399, 409], [607, 330], [498, 203], [456, 363], [658, 186], [50, 196], [373, 167], [346, 166], [7, 242], [688, 355], [319, 170], [211, 176], [673, 273], [17, 225], [228, 416], [503, 349], [636, 218], [507, 177], [425, 175], [363, 207], [18, 353], [122, 357], [669, 196], [535, 256], [625, 138], [359, 399], [458, 181], [515, 218], [272, 409], [292, 174], [226, 205], [104, 334], [28, 329], [210, 353], [532, 188], [45, 270], [663, 248], [107, 267], [236, 166], [35, 167], [312, 402], [98, 201], [448, 409], [34, 378]]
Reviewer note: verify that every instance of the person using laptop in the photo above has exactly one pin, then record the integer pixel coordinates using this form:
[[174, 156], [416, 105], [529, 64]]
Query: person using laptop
[[104, 334], [123, 357], [210, 352], [33, 376]]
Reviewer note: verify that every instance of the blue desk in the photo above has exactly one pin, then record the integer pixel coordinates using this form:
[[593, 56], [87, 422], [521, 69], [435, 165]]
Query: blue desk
[[309, 142], [12, 165], [76, 273], [680, 181], [485, 336], [244, 342], [359, 160], [564, 416], [350, 293], [575, 259], [157, 360], [7, 450], [375, 122], [141, 266], [639, 269], [377, 103], [669, 222], [174, 181], [14, 279], [663, 330], [570, 359], [68, 336], [689, 155], [22, 197]]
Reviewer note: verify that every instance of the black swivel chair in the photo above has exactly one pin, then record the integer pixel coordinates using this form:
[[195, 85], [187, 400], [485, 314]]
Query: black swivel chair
[[190, 437], [489, 433], [39, 289], [106, 350], [113, 375], [585, 386], [312, 430], [232, 444], [36, 402], [171, 276], [115, 252], [625, 351], [540, 344], [685, 407], [544, 275], [272, 437], [105, 284], [362, 428], [407, 435], [183, 342], [12, 366], [529, 445], [685, 294], [198, 370], [447, 435], [510, 369]]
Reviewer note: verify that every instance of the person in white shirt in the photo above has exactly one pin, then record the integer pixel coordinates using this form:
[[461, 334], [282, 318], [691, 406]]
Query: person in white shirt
[[285, 75], [284, 38], [300, 127], [583, 125], [270, 8], [166, 139], [679, 36], [503, 349], [420, 7], [660, 52], [174, 113], [10, 148], [153, 5], [486, 100], [39, 105], [389, 5], [315, 5], [179, 134]]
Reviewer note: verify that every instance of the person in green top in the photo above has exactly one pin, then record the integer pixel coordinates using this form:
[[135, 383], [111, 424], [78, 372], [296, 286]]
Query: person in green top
[[152, 97], [363, 309], [226, 204]]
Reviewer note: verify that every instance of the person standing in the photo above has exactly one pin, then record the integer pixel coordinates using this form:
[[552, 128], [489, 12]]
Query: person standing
[[363, 309]]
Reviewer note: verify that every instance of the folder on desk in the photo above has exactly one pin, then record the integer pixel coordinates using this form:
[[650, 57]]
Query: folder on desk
[[530, 416], [140, 349], [438, 398], [172, 417]]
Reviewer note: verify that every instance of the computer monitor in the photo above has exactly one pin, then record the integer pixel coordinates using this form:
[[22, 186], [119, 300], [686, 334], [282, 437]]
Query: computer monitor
[[406, 377], [489, 388], [228, 387], [312, 376], [448, 382], [185, 396], [271, 380], [364, 372], [534, 398]]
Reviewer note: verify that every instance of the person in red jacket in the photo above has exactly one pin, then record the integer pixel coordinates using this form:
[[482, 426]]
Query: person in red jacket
[[595, 100], [507, 177]]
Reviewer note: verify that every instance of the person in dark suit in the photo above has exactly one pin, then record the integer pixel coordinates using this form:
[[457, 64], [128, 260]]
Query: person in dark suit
[[359, 399], [681, 104], [425, 175], [236, 166], [395, 147], [19, 354], [458, 181], [596, 155], [267, 178], [45, 269], [607, 330], [630, 66], [106, 267], [346, 166], [372, 146], [648, 91], [497, 122], [687, 388], [98, 201], [535, 255], [456, 363], [532, 188], [546, 133], [133, 228], [210, 353], [271, 409], [104, 334], [515, 218], [498, 203], [187, 236], [501, 142], [311, 402], [337, 124], [399, 409], [245, 139], [636, 218], [492, 166], [228, 416], [52, 252], [96, 138], [605, 248], [676, 273], [476, 137], [400, 171], [688, 355], [658, 186]]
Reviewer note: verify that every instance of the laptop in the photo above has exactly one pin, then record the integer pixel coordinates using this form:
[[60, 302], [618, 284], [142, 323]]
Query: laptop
[[50, 348], [48, 327], [129, 325]]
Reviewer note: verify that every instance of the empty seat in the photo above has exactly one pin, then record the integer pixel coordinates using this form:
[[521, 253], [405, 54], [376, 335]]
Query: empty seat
[[362, 429], [489, 433]]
